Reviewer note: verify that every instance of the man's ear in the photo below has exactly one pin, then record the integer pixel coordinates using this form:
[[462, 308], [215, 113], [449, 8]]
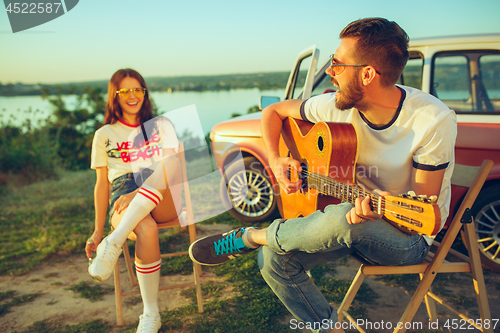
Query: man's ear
[[368, 75]]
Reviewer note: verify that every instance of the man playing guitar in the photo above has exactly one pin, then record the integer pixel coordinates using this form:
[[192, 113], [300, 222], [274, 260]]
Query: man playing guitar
[[406, 135]]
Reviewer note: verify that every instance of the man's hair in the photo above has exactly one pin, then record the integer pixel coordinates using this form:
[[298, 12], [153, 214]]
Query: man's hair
[[380, 43]]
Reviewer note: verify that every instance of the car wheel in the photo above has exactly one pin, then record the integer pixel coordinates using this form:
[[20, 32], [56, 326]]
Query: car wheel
[[249, 192], [486, 213]]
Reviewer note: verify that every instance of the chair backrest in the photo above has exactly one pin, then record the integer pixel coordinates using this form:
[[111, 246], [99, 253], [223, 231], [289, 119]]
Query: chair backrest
[[187, 193], [188, 208], [463, 175], [473, 178]]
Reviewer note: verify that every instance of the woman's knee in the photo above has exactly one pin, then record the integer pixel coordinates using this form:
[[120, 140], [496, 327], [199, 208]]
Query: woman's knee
[[147, 228]]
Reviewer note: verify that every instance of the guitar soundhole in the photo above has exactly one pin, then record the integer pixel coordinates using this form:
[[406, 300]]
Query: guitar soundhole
[[321, 143]]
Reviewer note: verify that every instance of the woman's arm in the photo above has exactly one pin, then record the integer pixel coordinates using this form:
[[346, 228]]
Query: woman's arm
[[101, 199]]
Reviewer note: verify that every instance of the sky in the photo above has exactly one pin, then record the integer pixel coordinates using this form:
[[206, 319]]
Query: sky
[[192, 37]]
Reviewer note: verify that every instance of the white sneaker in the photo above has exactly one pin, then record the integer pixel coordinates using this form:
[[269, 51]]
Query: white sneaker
[[149, 323], [103, 264]]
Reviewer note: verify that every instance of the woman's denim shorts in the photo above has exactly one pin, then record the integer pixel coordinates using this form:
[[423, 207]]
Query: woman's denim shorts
[[126, 184]]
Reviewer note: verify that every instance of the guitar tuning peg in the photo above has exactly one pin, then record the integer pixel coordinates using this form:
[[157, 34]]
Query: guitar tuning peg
[[423, 198], [433, 199], [412, 195]]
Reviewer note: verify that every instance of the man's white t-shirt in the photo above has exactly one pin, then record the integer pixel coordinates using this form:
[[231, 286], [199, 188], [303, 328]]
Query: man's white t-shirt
[[421, 135], [118, 147]]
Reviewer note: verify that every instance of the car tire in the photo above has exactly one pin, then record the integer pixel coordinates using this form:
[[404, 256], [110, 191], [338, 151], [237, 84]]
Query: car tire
[[248, 194], [486, 213]]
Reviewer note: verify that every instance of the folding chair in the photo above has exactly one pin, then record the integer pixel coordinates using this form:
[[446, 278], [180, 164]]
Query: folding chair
[[187, 214], [465, 176]]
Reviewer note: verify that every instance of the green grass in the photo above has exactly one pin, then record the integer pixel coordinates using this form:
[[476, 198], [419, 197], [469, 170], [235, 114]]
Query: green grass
[[54, 218], [45, 326], [91, 291], [45, 219], [335, 289], [15, 300], [441, 286]]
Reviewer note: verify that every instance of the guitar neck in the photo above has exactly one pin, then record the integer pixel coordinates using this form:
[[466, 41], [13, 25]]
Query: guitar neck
[[343, 191]]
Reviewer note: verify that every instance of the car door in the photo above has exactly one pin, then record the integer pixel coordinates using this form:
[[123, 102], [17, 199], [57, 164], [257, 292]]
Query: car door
[[300, 82]]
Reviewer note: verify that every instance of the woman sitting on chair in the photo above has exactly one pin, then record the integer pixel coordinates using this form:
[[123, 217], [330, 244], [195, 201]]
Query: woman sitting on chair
[[131, 140]]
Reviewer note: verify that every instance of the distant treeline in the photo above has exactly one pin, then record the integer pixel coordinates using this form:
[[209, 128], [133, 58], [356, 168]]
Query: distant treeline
[[261, 81]]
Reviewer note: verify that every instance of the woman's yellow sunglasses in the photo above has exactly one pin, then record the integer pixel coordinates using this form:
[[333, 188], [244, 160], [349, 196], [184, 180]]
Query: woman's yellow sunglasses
[[125, 93]]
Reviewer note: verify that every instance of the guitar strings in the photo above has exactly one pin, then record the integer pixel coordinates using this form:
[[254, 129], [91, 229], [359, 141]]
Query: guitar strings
[[356, 192], [341, 191], [348, 192], [377, 200]]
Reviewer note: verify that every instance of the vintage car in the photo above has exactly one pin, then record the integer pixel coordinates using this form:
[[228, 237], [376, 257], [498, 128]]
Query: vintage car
[[462, 71]]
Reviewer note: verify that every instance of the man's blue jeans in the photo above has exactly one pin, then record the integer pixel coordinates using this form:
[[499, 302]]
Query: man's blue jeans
[[297, 245]]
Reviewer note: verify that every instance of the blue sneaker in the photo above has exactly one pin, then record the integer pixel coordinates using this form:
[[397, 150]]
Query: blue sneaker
[[215, 250]]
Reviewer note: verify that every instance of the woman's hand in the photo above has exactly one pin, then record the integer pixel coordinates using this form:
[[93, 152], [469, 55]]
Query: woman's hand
[[92, 242], [123, 201], [362, 212]]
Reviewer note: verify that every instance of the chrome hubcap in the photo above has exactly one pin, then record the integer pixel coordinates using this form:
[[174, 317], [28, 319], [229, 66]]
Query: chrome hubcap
[[250, 193], [488, 231]]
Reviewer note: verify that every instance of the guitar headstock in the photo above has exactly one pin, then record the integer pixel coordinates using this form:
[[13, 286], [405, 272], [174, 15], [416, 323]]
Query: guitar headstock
[[417, 213], [422, 198]]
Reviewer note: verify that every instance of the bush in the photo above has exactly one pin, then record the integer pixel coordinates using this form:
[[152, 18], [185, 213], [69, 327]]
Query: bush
[[28, 153], [34, 152]]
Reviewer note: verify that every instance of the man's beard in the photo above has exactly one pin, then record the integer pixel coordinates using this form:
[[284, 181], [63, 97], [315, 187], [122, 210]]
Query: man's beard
[[350, 96]]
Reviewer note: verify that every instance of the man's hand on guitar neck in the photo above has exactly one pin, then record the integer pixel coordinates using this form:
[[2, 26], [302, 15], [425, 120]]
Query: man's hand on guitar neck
[[362, 212], [285, 169]]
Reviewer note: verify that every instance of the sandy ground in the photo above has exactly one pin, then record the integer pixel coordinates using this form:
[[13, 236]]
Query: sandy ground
[[59, 303]]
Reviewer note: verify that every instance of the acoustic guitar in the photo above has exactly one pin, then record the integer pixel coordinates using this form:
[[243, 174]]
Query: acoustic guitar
[[327, 153]]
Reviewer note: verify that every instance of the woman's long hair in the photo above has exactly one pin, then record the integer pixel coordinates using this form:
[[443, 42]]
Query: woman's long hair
[[113, 109]]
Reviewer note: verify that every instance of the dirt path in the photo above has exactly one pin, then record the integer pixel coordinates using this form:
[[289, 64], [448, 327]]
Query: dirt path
[[60, 304]]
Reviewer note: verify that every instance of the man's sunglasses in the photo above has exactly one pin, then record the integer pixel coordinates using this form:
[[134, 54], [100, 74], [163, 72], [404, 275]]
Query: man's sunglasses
[[337, 68], [138, 92]]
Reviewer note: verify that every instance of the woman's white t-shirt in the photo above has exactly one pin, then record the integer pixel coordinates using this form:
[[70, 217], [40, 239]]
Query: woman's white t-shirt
[[118, 147]]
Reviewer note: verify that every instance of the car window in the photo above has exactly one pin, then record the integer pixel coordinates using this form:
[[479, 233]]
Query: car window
[[467, 81], [301, 79], [323, 86], [451, 78], [412, 74], [489, 65]]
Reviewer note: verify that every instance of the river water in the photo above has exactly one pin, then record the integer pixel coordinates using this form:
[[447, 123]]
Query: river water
[[212, 107]]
